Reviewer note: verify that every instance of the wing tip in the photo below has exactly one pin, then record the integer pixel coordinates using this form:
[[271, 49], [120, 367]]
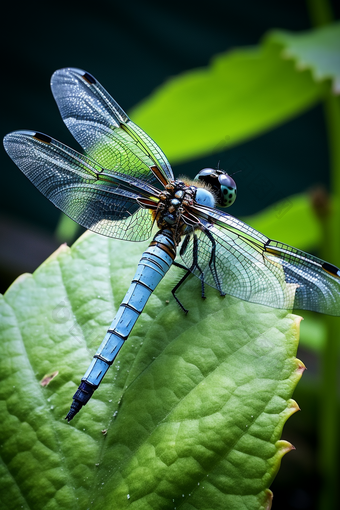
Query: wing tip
[[73, 72], [330, 269], [13, 136]]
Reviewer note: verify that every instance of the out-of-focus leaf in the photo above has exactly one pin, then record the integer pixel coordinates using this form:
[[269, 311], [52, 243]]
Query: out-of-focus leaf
[[240, 95], [313, 331], [66, 229], [291, 220], [317, 50], [190, 415]]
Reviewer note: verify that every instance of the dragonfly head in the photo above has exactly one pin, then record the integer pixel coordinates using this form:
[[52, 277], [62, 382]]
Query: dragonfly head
[[223, 186]]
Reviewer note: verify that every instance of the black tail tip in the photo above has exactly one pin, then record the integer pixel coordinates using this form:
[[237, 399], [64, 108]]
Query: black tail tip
[[75, 408], [69, 416]]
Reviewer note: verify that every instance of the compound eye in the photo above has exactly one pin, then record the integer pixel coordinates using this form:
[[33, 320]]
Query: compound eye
[[202, 174], [221, 184], [204, 197], [228, 190]]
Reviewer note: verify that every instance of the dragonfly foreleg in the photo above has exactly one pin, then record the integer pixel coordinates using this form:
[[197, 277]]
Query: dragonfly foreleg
[[189, 270], [212, 261]]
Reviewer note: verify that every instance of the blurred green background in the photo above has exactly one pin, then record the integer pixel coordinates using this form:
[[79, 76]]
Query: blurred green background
[[133, 48]]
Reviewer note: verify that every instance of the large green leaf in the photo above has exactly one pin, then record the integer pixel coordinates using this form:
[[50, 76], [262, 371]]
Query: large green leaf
[[240, 95], [190, 416], [317, 50]]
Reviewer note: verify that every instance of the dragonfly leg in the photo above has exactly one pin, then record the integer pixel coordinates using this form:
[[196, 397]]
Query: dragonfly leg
[[212, 261], [181, 266], [188, 272], [182, 280]]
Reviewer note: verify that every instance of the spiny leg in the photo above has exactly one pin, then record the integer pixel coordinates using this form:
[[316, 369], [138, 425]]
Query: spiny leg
[[195, 264], [189, 271], [182, 280], [212, 264]]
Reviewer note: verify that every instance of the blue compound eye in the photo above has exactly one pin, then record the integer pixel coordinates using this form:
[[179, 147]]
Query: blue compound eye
[[222, 185], [228, 190], [203, 174], [204, 197]]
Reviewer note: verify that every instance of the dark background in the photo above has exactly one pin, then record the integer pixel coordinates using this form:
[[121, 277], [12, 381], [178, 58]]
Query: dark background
[[132, 48]]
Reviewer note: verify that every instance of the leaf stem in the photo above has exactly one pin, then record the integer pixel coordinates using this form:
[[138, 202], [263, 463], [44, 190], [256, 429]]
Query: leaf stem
[[320, 13], [329, 419]]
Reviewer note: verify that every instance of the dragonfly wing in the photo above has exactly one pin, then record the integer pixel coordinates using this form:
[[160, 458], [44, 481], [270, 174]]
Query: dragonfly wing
[[252, 267], [103, 129], [76, 185]]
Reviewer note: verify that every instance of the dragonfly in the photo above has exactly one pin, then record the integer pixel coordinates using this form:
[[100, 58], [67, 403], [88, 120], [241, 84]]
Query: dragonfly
[[123, 185]]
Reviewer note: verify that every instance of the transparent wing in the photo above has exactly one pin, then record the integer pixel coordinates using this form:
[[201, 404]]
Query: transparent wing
[[103, 129], [252, 267], [78, 186]]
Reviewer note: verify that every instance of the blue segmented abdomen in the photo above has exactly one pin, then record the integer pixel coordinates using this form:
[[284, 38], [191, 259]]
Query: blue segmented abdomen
[[152, 267]]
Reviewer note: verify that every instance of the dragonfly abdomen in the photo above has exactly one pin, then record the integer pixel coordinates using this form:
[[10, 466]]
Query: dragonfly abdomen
[[153, 265]]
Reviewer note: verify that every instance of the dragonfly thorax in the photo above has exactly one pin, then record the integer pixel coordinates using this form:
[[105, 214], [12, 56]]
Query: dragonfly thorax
[[173, 204], [173, 199], [175, 207]]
